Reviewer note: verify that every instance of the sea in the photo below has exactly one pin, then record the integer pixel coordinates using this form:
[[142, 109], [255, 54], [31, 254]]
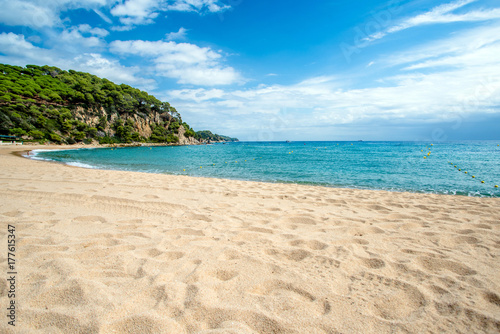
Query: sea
[[470, 168]]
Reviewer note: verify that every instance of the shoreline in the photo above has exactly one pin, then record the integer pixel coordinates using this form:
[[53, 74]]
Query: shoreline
[[102, 251]]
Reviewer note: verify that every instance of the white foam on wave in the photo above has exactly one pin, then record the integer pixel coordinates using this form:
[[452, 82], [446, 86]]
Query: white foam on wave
[[34, 153], [80, 164]]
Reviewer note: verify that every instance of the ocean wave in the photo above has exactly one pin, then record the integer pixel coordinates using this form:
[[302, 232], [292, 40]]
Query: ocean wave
[[80, 164]]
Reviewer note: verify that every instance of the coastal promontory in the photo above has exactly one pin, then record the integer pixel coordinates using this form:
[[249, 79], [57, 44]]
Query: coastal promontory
[[48, 105]]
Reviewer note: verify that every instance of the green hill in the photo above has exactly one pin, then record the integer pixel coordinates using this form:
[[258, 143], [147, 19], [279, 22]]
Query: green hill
[[209, 136], [47, 104]]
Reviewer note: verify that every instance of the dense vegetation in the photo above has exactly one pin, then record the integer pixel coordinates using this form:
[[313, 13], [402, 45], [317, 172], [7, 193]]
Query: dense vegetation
[[45, 103], [209, 136]]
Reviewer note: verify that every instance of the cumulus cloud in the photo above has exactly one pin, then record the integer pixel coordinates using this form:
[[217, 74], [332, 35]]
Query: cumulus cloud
[[180, 34], [188, 63], [135, 12], [111, 69], [18, 51], [74, 37], [85, 28]]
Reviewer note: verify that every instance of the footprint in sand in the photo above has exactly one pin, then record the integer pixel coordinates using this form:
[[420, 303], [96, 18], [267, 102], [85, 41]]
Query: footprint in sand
[[288, 296], [224, 275], [61, 323], [170, 256], [88, 219], [379, 208], [229, 255], [466, 240], [143, 324], [373, 263], [15, 213], [387, 298], [153, 252], [261, 230], [492, 298], [271, 286], [185, 231], [436, 265], [360, 241], [311, 244], [295, 255], [484, 226], [305, 220]]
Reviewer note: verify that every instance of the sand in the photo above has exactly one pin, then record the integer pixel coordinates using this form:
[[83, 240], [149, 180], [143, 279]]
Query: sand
[[121, 252]]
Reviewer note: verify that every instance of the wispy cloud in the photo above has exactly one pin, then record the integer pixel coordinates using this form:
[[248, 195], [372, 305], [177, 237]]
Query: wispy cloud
[[104, 17], [458, 45], [440, 14]]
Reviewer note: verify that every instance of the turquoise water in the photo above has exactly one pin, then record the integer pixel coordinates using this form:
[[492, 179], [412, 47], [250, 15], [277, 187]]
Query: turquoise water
[[394, 166]]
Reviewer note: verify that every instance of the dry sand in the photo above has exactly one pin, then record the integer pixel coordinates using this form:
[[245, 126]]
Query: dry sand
[[121, 252]]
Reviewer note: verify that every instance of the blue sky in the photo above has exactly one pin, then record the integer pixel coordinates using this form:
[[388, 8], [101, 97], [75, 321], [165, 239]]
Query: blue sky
[[278, 70]]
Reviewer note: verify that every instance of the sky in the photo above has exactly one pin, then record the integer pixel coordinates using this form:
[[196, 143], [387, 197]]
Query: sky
[[268, 70]]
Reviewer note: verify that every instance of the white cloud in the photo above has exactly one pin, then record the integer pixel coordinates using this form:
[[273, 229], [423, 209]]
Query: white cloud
[[38, 14], [24, 13], [212, 6], [103, 16], [14, 42], [180, 34], [112, 70], [73, 37], [188, 63], [201, 74], [135, 12], [17, 50], [141, 12], [85, 28], [197, 95]]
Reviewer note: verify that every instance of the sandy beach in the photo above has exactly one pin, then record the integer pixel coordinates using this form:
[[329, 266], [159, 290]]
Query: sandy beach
[[122, 252]]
